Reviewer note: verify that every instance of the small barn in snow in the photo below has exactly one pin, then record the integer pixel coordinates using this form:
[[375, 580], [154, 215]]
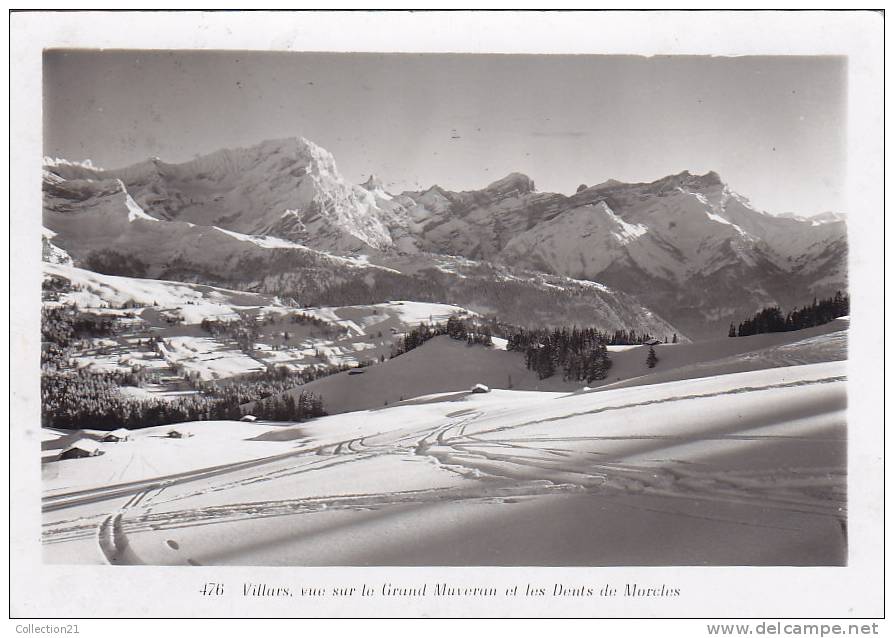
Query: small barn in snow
[[653, 342], [178, 434], [117, 436], [249, 418], [80, 449], [480, 388]]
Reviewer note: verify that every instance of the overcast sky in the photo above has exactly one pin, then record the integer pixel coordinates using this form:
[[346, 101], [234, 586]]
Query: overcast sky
[[773, 127]]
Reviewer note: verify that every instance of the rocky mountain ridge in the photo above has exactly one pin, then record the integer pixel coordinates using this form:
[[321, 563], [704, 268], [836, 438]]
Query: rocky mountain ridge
[[685, 246]]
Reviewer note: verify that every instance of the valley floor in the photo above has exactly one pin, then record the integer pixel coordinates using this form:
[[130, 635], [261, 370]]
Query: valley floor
[[745, 468]]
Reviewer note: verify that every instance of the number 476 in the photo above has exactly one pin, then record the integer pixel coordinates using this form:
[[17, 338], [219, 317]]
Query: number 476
[[212, 589]]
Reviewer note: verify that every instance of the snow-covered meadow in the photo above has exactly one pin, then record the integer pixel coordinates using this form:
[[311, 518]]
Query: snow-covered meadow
[[746, 468]]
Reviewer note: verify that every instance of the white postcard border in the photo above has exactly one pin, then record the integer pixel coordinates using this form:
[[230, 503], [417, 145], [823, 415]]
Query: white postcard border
[[41, 590]]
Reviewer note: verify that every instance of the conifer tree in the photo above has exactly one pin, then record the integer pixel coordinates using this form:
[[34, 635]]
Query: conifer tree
[[652, 359]]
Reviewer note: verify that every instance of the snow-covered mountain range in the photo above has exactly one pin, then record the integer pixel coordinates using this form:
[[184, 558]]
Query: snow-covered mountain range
[[279, 217], [685, 245]]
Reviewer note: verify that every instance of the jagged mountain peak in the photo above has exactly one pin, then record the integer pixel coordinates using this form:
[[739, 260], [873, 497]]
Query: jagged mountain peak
[[298, 147], [685, 180], [708, 180], [286, 187], [277, 153], [434, 189], [690, 181], [280, 154], [513, 182]]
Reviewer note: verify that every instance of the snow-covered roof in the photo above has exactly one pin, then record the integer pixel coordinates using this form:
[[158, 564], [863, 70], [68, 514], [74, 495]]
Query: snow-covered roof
[[85, 445], [119, 432]]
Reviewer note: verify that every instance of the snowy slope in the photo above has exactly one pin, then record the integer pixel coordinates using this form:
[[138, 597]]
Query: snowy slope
[[97, 291], [727, 355], [444, 364], [440, 365], [738, 469]]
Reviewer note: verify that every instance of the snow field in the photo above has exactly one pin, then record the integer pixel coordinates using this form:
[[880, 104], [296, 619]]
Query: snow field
[[732, 469]]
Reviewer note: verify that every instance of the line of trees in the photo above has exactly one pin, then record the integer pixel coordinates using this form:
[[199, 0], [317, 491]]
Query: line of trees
[[771, 319], [580, 353], [77, 399], [629, 338], [286, 407], [275, 381], [80, 399]]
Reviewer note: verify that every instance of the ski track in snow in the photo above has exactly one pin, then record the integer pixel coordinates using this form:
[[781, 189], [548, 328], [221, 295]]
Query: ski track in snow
[[498, 471]]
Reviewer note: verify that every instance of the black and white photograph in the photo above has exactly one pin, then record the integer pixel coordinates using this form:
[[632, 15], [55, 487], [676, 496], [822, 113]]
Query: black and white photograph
[[309, 308]]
